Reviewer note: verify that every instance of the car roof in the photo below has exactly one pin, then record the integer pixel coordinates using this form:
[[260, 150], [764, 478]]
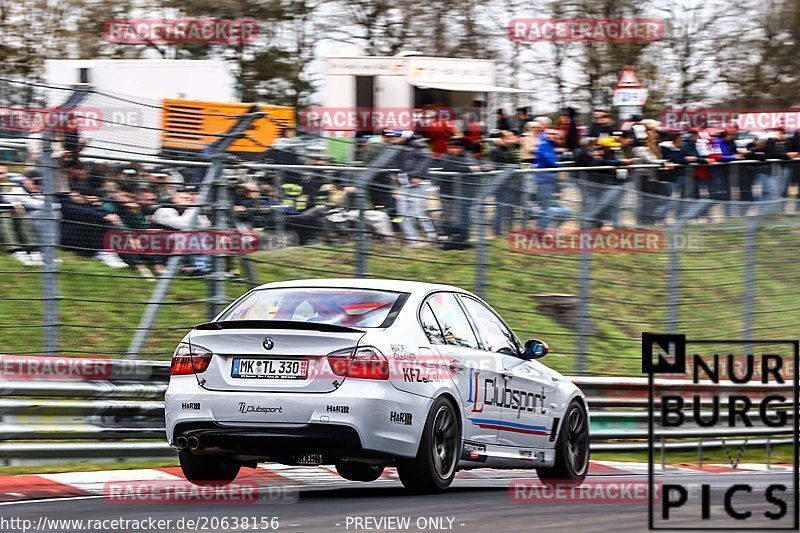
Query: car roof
[[398, 285]]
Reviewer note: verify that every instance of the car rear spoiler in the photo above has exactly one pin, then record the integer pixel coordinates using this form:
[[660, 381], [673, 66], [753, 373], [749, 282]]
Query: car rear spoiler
[[276, 324]]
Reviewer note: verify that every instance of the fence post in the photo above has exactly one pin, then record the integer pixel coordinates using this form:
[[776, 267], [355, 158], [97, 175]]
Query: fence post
[[51, 339], [281, 236], [482, 259], [220, 208], [674, 278], [751, 243], [583, 311], [584, 282], [361, 233]]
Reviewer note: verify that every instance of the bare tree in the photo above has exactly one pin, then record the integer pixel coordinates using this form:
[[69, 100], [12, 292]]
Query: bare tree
[[686, 53], [759, 62], [380, 28], [33, 30]]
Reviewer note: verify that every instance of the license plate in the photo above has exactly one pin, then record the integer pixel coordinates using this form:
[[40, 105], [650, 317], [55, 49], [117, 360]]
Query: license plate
[[269, 368], [312, 459]]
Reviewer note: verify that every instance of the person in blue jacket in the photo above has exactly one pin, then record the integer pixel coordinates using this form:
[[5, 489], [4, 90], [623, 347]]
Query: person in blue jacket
[[546, 181], [724, 152]]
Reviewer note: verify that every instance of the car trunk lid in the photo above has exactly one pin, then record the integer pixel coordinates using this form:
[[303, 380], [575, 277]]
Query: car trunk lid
[[270, 355]]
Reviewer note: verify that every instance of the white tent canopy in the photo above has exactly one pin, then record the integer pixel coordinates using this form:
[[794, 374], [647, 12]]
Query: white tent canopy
[[468, 87]]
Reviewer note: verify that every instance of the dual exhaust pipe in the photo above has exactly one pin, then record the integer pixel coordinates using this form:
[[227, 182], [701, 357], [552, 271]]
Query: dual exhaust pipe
[[188, 443]]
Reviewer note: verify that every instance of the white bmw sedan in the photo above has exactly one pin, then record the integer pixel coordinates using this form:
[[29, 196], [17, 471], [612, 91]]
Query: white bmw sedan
[[364, 374]]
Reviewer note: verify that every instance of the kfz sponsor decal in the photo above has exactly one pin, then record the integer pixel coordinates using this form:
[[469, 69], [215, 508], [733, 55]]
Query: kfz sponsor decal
[[248, 408], [413, 374], [396, 417], [744, 392]]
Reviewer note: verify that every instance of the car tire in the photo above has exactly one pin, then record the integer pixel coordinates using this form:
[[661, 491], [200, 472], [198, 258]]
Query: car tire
[[207, 470], [572, 450], [353, 471], [434, 467]]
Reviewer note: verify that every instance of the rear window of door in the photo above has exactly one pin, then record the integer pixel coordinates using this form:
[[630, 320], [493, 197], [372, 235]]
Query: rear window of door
[[496, 337], [455, 327]]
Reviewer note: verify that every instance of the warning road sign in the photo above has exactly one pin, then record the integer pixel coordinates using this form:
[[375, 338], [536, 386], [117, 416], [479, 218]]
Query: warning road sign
[[628, 79]]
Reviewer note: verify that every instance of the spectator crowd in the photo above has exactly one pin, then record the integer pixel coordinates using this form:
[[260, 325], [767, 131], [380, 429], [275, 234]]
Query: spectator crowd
[[429, 194]]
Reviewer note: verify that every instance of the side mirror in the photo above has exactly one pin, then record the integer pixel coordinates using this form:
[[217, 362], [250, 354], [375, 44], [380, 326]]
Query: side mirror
[[536, 349]]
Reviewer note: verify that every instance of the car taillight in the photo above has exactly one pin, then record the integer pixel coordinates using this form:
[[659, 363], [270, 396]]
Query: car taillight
[[339, 361], [366, 363], [189, 360]]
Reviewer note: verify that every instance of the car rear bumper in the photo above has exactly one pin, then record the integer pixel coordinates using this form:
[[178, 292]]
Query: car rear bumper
[[278, 444], [362, 418]]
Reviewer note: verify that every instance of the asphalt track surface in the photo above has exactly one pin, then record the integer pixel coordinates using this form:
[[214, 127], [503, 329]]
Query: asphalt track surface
[[471, 505]]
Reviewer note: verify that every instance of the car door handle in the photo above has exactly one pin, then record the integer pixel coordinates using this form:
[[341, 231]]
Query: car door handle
[[456, 366]]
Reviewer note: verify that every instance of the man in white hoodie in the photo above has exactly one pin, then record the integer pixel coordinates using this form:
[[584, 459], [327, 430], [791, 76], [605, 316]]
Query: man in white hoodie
[[28, 200], [180, 215]]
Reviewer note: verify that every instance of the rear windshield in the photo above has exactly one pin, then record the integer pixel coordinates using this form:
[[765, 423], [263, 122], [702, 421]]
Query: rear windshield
[[341, 307]]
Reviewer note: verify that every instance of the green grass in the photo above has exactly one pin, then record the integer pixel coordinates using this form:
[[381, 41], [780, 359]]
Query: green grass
[[782, 453], [84, 466], [629, 293]]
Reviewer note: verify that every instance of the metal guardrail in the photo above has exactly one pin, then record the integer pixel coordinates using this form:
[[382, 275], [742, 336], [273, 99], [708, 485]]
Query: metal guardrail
[[124, 416]]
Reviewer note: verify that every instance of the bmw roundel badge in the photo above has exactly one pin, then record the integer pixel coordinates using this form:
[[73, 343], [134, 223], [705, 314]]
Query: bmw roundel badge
[[268, 344]]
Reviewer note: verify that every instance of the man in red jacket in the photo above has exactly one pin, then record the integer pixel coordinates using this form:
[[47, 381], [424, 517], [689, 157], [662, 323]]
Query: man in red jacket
[[440, 131]]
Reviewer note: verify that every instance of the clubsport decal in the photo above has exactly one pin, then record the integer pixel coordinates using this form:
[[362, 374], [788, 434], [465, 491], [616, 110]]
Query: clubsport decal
[[248, 408], [504, 397]]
